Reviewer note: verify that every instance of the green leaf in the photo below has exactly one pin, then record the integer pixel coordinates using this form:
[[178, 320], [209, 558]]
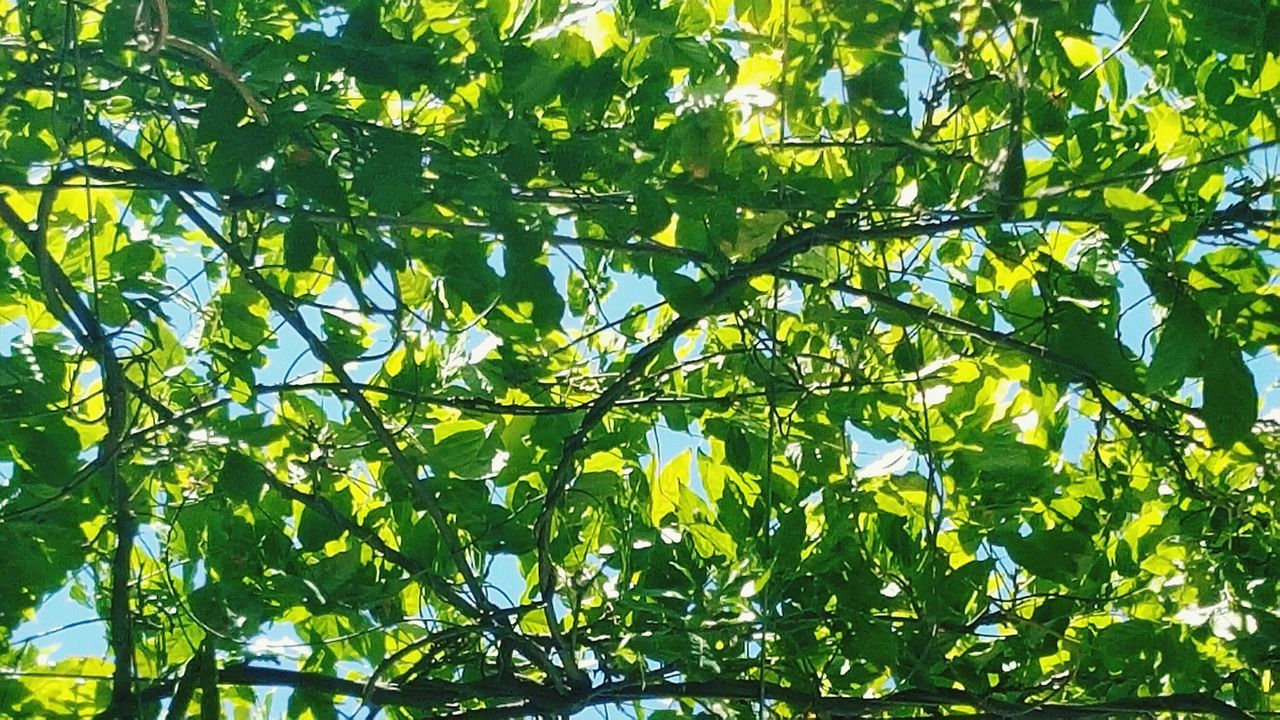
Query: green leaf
[[346, 339], [1230, 268], [43, 455], [664, 490], [301, 244], [737, 449], [241, 477], [907, 355], [458, 448], [683, 292], [1086, 345], [221, 116], [529, 285], [569, 163], [312, 704], [392, 177], [1057, 555], [26, 150], [758, 231], [135, 259], [1127, 201], [694, 17], [1183, 337], [521, 161], [314, 530], [315, 180], [1230, 395], [653, 212], [1233, 26]]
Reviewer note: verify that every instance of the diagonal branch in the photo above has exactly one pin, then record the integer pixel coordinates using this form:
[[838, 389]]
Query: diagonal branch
[[987, 335], [411, 565], [185, 688], [928, 315], [286, 308], [561, 477]]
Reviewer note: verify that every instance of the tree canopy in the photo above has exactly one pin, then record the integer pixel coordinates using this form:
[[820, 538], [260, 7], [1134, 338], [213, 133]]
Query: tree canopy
[[516, 358]]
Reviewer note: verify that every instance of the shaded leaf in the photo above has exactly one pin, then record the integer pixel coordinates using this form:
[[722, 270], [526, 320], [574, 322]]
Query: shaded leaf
[[1230, 394]]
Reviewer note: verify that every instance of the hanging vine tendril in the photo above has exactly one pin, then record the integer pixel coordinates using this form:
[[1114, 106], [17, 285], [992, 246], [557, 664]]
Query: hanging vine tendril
[[153, 35]]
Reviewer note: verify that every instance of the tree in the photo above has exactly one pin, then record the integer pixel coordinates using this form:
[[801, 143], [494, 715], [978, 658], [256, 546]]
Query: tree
[[505, 359]]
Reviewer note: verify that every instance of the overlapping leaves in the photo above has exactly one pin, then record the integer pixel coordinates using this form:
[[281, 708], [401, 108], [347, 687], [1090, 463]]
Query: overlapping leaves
[[532, 357]]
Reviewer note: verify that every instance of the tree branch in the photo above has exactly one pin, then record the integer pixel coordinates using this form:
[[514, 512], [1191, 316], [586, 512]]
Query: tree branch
[[411, 565], [284, 306], [65, 303], [514, 698]]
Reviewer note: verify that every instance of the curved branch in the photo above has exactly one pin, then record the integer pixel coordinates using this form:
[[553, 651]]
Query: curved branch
[[65, 303], [285, 307]]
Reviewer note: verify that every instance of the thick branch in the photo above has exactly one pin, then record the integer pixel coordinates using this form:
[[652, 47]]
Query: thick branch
[[768, 262], [512, 698], [285, 307], [65, 303], [146, 179]]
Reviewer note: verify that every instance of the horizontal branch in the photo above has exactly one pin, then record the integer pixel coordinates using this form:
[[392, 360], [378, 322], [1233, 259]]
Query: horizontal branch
[[514, 698], [147, 179]]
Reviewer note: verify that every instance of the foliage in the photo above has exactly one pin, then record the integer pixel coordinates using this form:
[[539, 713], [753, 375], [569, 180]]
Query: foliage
[[517, 357]]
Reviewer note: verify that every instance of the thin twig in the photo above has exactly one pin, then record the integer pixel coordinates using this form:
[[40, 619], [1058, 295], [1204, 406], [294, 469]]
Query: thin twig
[[1124, 40]]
